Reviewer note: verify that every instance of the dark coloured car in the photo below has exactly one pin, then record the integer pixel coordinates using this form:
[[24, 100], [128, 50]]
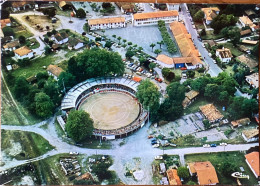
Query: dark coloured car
[[213, 145]]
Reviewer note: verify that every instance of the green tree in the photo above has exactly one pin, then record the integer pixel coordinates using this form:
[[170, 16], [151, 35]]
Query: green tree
[[47, 50], [191, 183], [129, 53], [160, 43], [79, 125], [68, 79], [148, 95], [95, 63], [22, 39], [169, 110], [101, 170], [191, 74], [232, 33], [152, 66], [249, 106], [43, 105], [255, 50], [198, 17], [51, 12], [152, 46], [223, 97], [206, 124], [80, 13], [21, 87], [108, 44], [157, 51], [4, 13], [222, 21], [129, 43], [212, 91], [176, 92], [142, 60], [8, 31], [183, 172], [119, 39], [203, 32], [228, 167], [83, 182]]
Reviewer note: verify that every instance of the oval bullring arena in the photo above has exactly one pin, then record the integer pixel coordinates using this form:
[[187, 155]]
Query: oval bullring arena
[[110, 102]]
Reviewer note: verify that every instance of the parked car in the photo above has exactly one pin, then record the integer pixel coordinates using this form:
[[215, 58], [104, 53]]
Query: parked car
[[149, 137], [154, 142], [213, 145], [158, 79], [206, 146], [155, 145], [74, 153], [223, 144], [158, 157]]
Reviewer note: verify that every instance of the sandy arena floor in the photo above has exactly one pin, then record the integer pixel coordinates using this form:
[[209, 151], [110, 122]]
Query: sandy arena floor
[[111, 110]]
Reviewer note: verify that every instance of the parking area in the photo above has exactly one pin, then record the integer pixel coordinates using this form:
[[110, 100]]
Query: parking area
[[142, 36]]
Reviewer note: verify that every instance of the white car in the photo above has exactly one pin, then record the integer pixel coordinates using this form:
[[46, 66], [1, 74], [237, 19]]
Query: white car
[[74, 153], [206, 146], [155, 145], [223, 144], [158, 157]]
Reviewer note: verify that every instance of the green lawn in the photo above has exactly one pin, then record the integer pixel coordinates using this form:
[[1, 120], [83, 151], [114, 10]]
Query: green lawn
[[234, 50], [194, 107], [35, 67], [24, 33], [32, 145], [217, 158], [229, 70], [210, 35]]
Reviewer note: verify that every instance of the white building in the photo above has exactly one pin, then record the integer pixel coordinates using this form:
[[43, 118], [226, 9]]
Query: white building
[[54, 70], [106, 23], [224, 55], [245, 21], [152, 18], [253, 80], [210, 13], [60, 38], [23, 52]]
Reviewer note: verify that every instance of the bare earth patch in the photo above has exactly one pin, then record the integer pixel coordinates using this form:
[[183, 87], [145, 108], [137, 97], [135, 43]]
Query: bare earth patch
[[111, 110]]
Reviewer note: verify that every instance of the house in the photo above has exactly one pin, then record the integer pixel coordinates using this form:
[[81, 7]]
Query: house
[[253, 80], [65, 5], [11, 45], [211, 43], [245, 32], [211, 113], [85, 176], [22, 5], [205, 172], [250, 135], [106, 23], [23, 52], [165, 60], [210, 13], [126, 7], [173, 177], [162, 168], [249, 42], [75, 43], [245, 59], [189, 98], [240, 122], [55, 46], [152, 18], [54, 70], [190, 55], [224, 55], [243, 48], [245, 21], [60, 38], [252, 160], [5, 22]]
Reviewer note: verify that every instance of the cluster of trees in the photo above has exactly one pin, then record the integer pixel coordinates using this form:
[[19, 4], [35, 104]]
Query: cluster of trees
[[255, 50], [8, 31], [198, 17], [170, 109], [221, 89], [107, 8], [168, 74], [80, 13], [41, 99], [222, 20], [79, 125], [51, 12], [166, 37], [232, 33], [89, 64]]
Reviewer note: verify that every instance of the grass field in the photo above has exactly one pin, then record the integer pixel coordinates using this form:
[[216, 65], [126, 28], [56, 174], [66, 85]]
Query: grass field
[[217, 158], [23, 145], [10, 114], [24, 33], [210, 35], [194, 107]]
